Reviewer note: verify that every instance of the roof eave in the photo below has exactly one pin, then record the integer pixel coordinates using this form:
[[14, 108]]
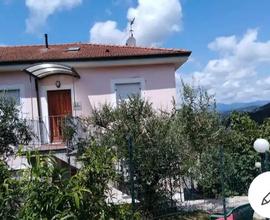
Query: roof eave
[[177, 61], [109, 58]]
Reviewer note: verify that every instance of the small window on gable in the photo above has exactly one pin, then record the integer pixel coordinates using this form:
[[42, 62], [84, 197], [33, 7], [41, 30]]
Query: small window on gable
[[125, 90], [12, 93]]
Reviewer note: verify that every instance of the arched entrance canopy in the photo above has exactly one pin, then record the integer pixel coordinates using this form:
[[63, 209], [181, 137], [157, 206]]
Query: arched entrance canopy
[[40, 71], [43, 70]]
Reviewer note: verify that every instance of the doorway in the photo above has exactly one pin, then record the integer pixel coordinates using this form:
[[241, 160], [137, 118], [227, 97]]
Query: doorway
[[59, 107]]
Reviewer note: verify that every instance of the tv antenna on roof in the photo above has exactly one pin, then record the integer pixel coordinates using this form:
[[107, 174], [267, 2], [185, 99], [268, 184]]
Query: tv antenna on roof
[[131, 41], [131, 26]]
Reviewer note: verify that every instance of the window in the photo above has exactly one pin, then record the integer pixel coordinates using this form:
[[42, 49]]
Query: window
[[125, 90], [12, 93]]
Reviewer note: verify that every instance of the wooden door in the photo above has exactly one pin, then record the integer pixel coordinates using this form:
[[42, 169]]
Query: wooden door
[[59, 107]]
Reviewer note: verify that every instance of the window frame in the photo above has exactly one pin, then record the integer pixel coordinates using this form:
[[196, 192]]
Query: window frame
[[14, 87], [18, 99], [115, 82]]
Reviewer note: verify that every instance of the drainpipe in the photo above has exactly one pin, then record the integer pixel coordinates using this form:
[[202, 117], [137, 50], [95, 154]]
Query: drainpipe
[[32, 108], [39, 112]]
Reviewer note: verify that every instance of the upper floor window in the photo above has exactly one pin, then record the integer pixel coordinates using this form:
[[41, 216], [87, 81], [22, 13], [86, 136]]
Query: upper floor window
[[12, 93], [125, 90]]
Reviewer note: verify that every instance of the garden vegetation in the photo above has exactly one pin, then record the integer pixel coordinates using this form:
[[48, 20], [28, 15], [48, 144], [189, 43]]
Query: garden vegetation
[[169, 150]]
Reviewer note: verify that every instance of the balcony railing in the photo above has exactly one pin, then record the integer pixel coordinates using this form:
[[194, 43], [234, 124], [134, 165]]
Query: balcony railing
[[40, 129], [48, 132]]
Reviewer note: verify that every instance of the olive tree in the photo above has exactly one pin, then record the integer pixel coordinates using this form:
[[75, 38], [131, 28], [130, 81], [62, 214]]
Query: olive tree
[[156, 153], [13, 129], [207, 134]]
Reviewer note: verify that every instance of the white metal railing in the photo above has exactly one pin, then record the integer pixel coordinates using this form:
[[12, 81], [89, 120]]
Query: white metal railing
[[47, 129], [50, 129]]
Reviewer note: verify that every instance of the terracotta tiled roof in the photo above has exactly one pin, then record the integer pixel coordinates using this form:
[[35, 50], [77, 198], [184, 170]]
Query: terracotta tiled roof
[[59, 52]]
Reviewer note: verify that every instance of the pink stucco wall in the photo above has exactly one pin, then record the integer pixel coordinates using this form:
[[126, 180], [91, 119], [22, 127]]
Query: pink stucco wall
[[95, 87], [159, 85], [20, 80]]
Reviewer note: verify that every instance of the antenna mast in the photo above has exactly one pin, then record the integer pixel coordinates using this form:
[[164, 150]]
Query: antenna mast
[[131, 41], [131, 27]]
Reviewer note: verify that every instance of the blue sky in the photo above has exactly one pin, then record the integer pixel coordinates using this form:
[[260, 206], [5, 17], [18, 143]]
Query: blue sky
[[230, 39]]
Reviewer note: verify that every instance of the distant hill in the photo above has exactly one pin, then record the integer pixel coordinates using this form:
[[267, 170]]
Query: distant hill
[[258, 111], [241, 106], [261, 113]]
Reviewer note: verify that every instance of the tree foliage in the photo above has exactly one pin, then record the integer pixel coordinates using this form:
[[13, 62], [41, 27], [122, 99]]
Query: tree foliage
[[45, 190], [168, 148], [156, 155], [13, 129], [184, 143], [206, 133], [198, 127]]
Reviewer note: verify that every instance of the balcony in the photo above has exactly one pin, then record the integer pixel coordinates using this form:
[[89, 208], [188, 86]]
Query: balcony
[[48, 132]]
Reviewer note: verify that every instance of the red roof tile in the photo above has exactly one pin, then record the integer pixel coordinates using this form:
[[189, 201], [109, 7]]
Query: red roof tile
[[59, 52]]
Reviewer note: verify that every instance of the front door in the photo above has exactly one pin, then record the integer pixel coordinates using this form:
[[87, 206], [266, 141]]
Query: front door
[[59, 107]]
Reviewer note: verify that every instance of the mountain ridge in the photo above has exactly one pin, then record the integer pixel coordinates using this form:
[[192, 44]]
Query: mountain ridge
[[261, 113], [241, 106], [258, 110]]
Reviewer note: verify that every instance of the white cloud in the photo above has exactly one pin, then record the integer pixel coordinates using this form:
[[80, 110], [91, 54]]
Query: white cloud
[[40, 10], [107, 32], [239, 73], [223, 44], [155, 21]]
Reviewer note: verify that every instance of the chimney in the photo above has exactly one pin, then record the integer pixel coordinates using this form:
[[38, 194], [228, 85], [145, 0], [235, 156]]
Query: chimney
[[46, 41]]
